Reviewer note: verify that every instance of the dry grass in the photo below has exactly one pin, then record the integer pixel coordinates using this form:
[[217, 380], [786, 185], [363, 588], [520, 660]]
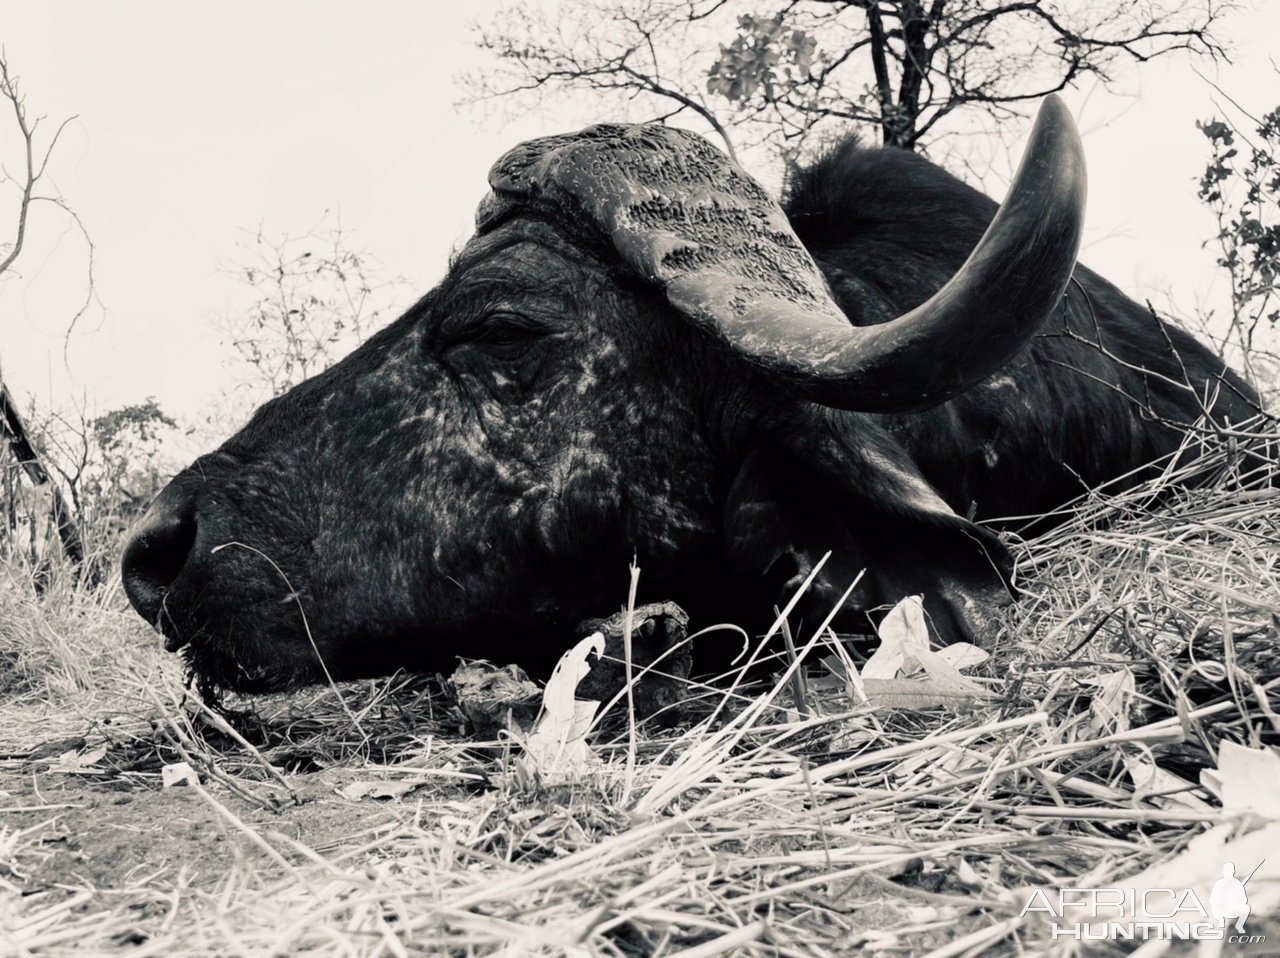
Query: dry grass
[[1148, 636]]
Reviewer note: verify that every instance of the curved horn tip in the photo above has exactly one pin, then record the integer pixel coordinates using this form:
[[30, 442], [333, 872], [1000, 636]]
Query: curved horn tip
[[1054, 119], [1054, 102], [1052, 173], [991, 308]]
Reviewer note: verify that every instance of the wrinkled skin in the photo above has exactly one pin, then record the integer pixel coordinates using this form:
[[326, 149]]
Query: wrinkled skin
[[515, 453], [475, 479]]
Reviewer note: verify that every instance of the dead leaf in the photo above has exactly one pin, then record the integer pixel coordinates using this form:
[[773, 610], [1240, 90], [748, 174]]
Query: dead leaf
[[874, 941], [378, 789], [920, 914], [965, 872], [557, 748], [1246, 780], [904, 648], [495, 700], [76, 761], [1109, 711], [916, 694], [903, 633], [963, 655], [178, 773], [1151, 780], [946, 676]]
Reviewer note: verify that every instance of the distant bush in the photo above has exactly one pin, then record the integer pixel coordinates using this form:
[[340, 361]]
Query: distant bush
[[1241, 186], [108, 468]]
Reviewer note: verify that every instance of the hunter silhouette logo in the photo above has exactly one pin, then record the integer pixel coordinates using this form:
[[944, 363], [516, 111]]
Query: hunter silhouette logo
[[1144, 913], [1229, 899]]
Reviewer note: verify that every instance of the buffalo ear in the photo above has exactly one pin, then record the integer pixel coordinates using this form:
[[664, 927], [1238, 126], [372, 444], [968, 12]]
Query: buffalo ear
[[813, 485], [780, 520]]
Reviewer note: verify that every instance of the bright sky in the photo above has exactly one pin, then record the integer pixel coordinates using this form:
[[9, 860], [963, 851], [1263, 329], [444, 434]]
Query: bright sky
[[196, 122]]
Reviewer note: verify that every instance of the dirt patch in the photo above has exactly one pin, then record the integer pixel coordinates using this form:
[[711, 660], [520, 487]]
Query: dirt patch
[[93, 832]]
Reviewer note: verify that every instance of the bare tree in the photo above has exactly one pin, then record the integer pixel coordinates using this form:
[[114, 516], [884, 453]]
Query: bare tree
[[1241, 186], [780, 71], [314, 297], [28, 183]]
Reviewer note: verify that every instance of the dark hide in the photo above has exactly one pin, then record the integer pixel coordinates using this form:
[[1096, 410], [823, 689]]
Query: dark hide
[[475, 479], [1105, 388]]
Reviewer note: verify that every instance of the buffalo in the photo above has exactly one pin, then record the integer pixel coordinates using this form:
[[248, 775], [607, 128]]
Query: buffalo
[[642, 353]]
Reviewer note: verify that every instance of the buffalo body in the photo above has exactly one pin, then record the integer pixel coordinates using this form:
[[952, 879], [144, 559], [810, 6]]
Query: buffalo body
[[640, 353]]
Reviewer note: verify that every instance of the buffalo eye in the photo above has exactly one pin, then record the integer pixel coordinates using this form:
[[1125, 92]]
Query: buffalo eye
[[506, 336]]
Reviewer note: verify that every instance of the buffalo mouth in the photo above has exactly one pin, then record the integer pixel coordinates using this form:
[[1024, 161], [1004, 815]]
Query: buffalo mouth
[[257, 658], [252, 649], [219, 666]]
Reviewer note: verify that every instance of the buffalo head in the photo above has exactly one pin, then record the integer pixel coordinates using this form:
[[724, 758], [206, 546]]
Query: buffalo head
[[633, 356]]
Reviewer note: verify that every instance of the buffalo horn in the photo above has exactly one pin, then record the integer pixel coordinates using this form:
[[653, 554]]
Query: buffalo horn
[[692, 222]]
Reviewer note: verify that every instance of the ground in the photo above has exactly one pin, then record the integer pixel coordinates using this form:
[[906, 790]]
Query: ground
[[1122, 732], [111, 829], [95, 831]]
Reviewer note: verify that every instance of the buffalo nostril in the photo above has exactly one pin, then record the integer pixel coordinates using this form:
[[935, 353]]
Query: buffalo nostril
[[155, 555]]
